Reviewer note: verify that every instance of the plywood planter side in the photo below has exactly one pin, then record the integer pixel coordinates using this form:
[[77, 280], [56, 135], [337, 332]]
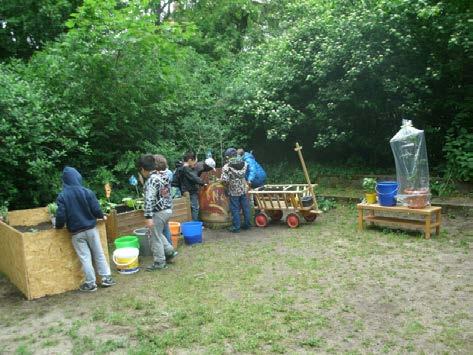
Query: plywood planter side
[[12, 257], [120, 224], [41, 263]]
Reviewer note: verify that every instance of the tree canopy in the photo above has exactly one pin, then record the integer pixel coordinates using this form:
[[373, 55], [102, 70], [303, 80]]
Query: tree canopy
[[95, 83]]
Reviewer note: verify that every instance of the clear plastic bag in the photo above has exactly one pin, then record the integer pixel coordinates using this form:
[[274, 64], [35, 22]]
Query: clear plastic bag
[[412, 167]]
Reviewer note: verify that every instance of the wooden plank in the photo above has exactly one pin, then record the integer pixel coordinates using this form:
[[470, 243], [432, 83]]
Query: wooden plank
[[111, 226], [395, 221], [12, 257], [377, 207], [30, 217], [52, 263]]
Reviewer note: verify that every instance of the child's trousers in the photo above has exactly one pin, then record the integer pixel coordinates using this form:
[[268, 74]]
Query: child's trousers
[[87, 245], [159, 244], [237, 203], [195, 205]]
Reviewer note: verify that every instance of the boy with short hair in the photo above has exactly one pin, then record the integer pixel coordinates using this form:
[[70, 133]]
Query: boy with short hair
[[187, 180], [233, 174], [79, 209], [158, 158], [157, 209]]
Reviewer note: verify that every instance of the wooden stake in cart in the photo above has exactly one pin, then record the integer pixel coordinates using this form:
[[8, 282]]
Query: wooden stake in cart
[[296, 201]]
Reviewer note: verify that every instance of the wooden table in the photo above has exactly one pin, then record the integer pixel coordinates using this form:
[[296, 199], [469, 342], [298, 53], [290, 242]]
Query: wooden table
[[367, 213]]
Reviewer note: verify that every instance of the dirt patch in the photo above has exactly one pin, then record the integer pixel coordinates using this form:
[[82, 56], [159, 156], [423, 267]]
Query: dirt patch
[[321, 288], [33, 229]]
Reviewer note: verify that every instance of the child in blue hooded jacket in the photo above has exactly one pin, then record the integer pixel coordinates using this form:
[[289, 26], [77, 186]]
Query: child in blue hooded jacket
[[79, 209], [255, 174]]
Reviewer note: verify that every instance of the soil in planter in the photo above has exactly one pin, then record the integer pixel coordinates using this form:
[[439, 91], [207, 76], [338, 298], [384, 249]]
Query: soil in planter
[[123, 209], [32, 229]]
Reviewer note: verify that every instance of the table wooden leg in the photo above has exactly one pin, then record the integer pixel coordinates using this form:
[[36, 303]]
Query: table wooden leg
[[439, 221], [427, 226], [371, 214], [360, 219]]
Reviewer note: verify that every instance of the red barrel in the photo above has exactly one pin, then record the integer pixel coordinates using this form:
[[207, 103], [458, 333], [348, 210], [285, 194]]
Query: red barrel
[[214, 204]]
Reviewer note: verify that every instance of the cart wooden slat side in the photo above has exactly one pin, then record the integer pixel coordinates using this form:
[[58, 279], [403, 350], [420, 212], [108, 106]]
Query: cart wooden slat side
[[274, 200]]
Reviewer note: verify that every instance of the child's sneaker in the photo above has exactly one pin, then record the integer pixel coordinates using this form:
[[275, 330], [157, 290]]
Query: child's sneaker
[[88, 287], [156, 266], [246, 227], [171, 256], [233, 230], [108, 281]]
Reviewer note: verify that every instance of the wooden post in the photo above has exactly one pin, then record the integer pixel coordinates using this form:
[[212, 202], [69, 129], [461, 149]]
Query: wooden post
[[298, 149], [427, 225], [438, 219], [360, 218]]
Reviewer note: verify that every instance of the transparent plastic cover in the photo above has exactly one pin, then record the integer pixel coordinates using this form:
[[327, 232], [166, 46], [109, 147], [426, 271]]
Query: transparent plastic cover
[[412, 167]]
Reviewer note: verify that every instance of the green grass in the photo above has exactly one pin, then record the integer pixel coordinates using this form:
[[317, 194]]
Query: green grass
[[320, 288]]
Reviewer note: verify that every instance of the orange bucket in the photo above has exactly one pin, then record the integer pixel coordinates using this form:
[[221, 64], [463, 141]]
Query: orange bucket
[[176, 240], [175, 228]]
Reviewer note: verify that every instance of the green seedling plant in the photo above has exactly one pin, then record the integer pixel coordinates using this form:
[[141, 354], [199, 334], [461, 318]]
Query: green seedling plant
[[129, 202], [52, 209], [369, 185], [326, 204], [106, 205]]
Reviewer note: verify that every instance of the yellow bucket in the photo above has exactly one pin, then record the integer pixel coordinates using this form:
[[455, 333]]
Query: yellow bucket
[[126, 260], [370, 198]]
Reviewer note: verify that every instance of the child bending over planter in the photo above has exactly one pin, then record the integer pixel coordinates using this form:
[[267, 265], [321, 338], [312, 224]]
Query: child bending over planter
[[233, 174], [187, 180], [157, 209], [78, 208]]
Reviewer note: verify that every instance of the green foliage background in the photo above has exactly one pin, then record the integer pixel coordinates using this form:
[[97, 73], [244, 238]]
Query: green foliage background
[[99, 82]]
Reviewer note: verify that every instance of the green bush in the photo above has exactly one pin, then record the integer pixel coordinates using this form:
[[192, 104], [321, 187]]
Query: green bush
[[459, 153]]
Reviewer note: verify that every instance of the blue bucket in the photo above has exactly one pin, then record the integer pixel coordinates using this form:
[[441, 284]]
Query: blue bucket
[[192, 232], [387, 191]]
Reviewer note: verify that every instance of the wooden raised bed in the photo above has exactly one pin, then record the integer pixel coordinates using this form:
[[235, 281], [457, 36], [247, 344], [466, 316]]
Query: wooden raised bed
[[43, 262], [120, 224]]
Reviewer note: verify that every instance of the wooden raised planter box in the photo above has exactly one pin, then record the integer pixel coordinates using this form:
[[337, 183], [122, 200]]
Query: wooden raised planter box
[[120, 224], [41, 262]]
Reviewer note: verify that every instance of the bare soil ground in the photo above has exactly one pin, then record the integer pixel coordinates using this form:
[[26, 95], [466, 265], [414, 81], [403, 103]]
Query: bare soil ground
[[322, 288]]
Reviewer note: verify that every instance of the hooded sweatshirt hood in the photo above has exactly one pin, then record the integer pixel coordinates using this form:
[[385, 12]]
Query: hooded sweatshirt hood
[[77, 206], [71, 177]]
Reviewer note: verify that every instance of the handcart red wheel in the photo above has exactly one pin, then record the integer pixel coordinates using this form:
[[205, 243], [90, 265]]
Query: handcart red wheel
[[261, 220], [293, 220], [310, 217], [276, 215]]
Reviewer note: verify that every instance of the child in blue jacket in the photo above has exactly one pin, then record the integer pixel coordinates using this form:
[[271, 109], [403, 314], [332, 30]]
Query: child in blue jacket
[[79, 209], [255, 174]]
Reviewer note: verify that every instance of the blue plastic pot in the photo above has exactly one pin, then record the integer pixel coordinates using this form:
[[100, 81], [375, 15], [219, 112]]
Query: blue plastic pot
[[387, 191], [192, 232]]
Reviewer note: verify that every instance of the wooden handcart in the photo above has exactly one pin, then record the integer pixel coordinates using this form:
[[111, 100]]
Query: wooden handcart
[[297, 201]]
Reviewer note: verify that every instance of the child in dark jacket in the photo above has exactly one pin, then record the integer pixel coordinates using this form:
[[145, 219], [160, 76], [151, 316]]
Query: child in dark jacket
[[79, 209], [233, 174], [187, 180]]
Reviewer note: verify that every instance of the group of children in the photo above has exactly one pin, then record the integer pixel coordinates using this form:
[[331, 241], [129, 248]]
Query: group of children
[[79, 209]]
